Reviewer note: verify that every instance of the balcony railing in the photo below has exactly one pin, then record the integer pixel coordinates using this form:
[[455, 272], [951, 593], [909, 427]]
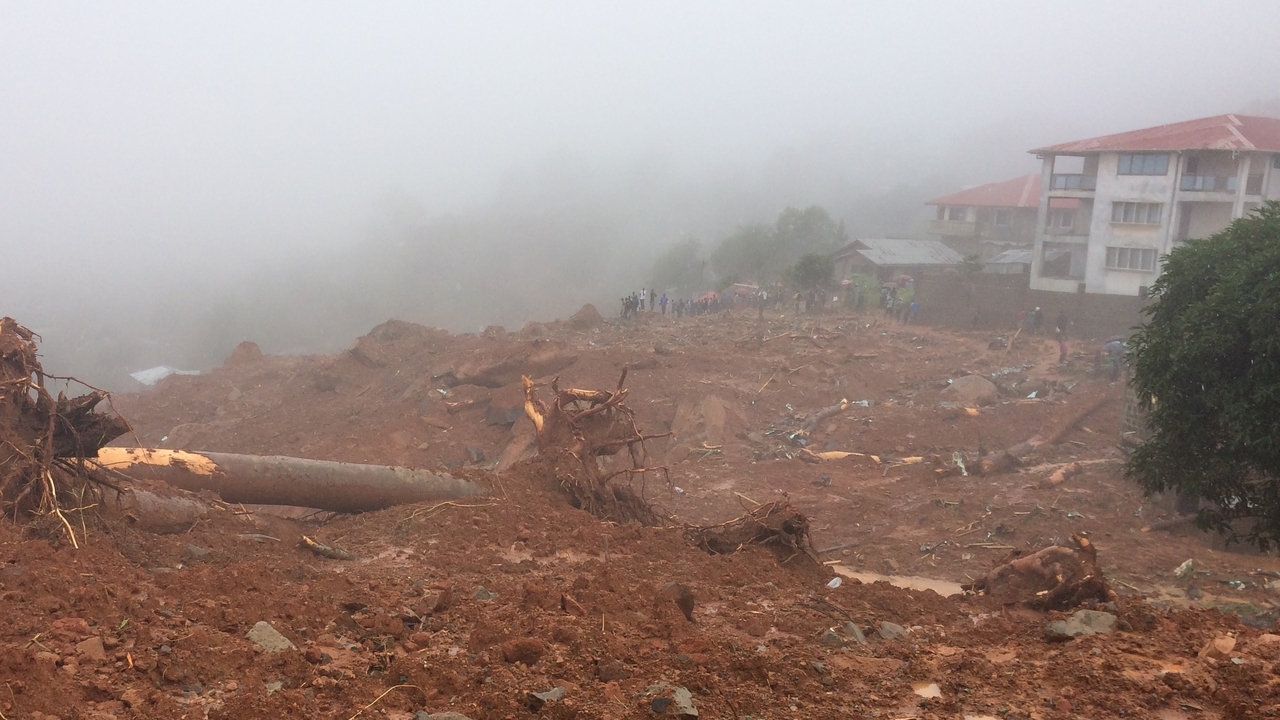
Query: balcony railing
[[953, 228], [1209, 183], [1075, 181]]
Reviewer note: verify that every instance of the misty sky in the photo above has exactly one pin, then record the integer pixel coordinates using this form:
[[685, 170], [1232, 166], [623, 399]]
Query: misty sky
[[175, 140]]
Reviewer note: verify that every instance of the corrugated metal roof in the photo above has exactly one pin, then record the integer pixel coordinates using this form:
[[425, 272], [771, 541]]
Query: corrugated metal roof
[[1009, 257], [1023, 192], [1220, 132], [902, 252]]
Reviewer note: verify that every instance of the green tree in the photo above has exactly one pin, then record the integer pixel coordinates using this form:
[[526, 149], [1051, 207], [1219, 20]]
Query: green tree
[[1206, 364], [812, 230], [748, 254], [813, 271], [680, 268]]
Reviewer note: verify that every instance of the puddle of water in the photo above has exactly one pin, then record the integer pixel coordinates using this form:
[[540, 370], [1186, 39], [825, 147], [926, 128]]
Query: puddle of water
[[926, 690], [944, 588]]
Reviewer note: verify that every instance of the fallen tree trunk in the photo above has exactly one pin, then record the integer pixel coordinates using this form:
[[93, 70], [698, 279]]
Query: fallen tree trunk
[[812, 422], [1050, 435], [277, 480]]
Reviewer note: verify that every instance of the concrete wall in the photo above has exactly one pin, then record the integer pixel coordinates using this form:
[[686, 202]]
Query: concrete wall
[[996, 300]]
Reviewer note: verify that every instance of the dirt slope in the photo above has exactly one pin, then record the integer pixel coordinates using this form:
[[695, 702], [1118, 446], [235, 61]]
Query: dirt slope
[[472, 606]]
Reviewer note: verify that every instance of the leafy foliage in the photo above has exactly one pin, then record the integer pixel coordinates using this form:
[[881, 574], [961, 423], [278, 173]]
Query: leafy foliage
[[1207, 365], [971, 264], [747, 254], [680, 268], [760, 253], [813, 271]]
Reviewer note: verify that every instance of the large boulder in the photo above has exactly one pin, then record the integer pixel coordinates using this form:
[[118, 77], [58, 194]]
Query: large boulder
[[973, 390]]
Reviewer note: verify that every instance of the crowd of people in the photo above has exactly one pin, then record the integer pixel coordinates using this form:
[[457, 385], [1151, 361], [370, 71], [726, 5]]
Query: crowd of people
[[635, 303]]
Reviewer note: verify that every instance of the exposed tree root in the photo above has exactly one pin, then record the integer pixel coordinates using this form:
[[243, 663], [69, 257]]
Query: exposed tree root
[[43, 441], [776, 524], [1055, 578], [579, 427]]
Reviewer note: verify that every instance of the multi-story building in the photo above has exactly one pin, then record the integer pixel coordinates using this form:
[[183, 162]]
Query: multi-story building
[[988, 219], [1111, 207]]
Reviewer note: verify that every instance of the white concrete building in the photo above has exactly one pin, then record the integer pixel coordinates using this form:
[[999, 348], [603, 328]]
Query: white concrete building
[[1112, 206]]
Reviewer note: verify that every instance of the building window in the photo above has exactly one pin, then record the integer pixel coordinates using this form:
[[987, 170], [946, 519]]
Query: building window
[[1120, 258], [942, 213], [1144, 164], [1060, 219], [1004, 218], [1253, 185], [1136, 213], [957, 213]]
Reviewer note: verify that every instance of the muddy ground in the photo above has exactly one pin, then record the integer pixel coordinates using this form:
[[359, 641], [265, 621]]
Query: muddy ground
[[472, 606]]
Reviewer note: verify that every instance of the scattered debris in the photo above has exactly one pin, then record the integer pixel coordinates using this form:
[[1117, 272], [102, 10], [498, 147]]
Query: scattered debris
[[1082, 622], [777, 524], [327, 551]]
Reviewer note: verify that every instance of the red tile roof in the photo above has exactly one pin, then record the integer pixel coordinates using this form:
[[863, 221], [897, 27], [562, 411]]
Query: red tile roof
[[1221, 132], [1018, 192]]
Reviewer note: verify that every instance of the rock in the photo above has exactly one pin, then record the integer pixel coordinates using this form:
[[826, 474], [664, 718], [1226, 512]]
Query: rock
[[1083, 622], [475, 455], [671, 699], [274, 687], [192, 554], [890, 566], [854, 632], [48, 659], [92, 649], [503, 415], [71, 628], [891, 631], [1218, 648], [422, 715], [683, 598], [316, 656], [523, 650], [268, 639], [1267, 639], [832, 638], [973, 390], [537, 700], [482, 594], [133, 698]]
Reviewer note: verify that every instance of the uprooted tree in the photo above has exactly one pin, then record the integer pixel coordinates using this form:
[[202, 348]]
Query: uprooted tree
[[44, 441], [575, 429], [1206, 367]]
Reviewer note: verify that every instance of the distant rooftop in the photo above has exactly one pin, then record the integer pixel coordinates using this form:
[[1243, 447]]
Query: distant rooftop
[[1021, 192], [886, 252], [1220, 132]]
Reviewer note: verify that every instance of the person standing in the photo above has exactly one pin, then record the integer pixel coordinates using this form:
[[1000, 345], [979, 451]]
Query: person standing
[[912, 311], [663, 302], [1062, 348], [642, 291]]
